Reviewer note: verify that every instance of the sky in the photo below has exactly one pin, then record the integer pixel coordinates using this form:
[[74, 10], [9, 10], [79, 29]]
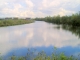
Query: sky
[[38, 8]]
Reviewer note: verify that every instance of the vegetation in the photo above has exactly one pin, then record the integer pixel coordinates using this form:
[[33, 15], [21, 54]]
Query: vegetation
[[11, 22], [73, 20], [43, 56]]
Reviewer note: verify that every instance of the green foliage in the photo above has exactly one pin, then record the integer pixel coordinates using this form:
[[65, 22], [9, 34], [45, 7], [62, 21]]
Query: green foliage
[[73, 20], [43, 56], [14, 22]]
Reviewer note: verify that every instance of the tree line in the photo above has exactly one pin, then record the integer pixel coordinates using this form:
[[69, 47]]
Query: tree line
[[73, 20]]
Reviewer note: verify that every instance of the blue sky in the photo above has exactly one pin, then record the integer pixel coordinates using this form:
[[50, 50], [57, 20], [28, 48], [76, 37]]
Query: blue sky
[[38, 8]]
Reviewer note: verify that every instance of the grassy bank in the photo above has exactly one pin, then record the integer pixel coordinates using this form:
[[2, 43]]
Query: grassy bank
[[73, 20], [14, 22], [32, 55]]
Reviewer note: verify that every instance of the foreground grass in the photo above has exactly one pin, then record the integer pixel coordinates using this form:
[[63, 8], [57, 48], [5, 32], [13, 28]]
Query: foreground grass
[[14, 22], [43, 56]]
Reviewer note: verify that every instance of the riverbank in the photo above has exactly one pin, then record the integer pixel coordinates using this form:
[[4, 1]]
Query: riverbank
[[14, 22]]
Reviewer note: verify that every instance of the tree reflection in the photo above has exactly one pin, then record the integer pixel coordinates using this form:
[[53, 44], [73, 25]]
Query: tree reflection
[[74, 29]]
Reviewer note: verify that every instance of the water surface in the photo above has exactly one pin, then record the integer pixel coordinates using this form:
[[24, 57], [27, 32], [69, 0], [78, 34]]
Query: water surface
[[38, 35]]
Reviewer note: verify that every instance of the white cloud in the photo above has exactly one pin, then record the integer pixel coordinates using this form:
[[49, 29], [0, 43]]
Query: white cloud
[[59, 6], [29, 3], [63, 12], [16, 9], [40, 14], [71, 3], [42, 8]]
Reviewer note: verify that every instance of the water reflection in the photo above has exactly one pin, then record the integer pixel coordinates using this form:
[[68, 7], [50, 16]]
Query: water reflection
[[75, 30], [35, 35]]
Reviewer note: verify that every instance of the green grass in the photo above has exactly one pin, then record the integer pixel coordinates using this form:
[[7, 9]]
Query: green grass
[[43, 56], [14, 22]]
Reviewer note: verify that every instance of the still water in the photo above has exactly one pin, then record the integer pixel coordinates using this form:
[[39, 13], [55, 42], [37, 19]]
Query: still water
[[40, 36]]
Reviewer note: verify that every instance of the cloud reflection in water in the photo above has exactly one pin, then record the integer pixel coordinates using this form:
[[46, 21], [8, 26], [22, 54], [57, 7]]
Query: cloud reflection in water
[[36, 34]]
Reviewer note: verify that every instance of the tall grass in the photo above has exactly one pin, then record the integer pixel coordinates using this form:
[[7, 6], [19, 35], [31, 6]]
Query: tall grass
[[14, 22]]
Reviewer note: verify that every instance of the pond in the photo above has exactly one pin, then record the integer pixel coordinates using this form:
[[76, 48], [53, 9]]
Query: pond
[[39, 35]]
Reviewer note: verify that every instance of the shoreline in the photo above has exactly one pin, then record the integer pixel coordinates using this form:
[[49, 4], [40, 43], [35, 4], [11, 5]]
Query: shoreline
[[5, 23]]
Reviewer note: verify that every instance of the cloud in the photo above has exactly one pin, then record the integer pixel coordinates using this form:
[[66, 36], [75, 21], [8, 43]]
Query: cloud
[[17, 9], [63, 12], [29, 3], [39, 8]]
